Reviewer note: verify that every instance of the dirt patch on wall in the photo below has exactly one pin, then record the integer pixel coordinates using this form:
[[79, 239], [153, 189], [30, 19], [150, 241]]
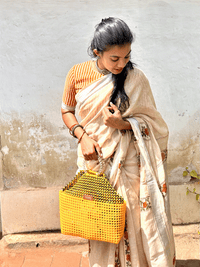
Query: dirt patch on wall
[[36, 154], [185, 152]]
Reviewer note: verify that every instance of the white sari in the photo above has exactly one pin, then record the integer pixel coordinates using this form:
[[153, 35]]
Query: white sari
[[135, 164]]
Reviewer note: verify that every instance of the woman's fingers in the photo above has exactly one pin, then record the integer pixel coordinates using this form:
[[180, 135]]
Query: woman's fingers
[[112, 116], [90, 148], [110, 111], [113, 107], [93, 156], [98, 150]]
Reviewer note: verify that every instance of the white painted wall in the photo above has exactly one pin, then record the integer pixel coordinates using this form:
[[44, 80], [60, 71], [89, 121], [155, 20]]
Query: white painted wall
[[41, 40]]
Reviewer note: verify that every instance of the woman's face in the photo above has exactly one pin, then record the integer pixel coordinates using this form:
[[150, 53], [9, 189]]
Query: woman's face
[[115, 58]]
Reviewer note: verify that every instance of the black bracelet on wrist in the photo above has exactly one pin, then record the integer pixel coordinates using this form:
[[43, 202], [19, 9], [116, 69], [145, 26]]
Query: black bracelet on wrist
[[74, 128]]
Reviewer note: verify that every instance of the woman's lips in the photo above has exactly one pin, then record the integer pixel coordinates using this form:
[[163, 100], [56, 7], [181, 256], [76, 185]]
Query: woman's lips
[[119, 70]]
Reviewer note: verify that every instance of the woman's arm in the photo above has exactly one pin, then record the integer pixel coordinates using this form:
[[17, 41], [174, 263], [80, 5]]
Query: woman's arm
[[89, 147], [113, 118]]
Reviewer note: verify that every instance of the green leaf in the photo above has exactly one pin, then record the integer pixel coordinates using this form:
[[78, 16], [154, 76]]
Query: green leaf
[[186, 168], [197, 197], [198, 233], [194, 190], [185, 173], [187, 192], [193, 174]]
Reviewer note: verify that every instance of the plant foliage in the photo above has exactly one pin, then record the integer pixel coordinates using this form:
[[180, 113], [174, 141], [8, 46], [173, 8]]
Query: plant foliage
[[193, 174]]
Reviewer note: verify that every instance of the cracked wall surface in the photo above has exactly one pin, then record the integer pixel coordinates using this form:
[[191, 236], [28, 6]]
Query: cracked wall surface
[[35, 154], [184, 149]]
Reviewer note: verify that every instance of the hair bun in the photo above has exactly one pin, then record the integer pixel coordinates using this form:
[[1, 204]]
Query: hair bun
[[110, 32]]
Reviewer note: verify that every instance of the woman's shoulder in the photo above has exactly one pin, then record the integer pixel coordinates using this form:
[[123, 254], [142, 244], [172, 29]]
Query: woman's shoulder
[[138, 75], [80, 70], [137, 82], [138, 72], [82, 66]]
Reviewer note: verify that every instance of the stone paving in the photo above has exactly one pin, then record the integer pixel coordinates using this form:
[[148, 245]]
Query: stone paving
[[56, 250], [75, 256]]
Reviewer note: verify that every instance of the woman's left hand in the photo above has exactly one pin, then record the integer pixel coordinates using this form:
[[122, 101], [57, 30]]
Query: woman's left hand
[[113, 118]]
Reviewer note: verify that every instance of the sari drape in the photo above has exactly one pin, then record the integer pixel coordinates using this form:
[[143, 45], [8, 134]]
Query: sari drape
[[135, 162]]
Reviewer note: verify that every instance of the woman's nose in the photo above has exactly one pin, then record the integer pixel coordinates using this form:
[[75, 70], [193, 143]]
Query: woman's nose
[[122, 63]]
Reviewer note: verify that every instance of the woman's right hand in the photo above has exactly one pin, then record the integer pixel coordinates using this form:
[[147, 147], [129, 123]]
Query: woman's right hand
[[90, 148]]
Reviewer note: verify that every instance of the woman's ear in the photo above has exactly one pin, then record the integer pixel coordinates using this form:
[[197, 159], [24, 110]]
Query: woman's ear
[[96, 52]]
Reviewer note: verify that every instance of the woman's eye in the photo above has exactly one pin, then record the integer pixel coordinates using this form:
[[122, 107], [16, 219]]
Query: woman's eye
[[114, 60]]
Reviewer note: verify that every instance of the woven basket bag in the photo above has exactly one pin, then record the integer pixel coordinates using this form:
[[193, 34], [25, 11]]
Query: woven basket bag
[[91, 208]]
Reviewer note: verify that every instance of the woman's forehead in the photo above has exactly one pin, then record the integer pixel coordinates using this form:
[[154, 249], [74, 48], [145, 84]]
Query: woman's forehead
[[119, 50]]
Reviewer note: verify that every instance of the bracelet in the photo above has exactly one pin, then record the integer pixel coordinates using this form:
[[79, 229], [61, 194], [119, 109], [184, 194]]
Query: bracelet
[[72, 129], [81, 136]]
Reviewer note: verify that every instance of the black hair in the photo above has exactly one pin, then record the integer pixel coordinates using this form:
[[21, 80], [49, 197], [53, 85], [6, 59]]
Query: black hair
[[110, 32]]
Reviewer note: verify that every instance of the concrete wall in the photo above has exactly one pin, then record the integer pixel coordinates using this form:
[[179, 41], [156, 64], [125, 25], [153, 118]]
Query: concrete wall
[[41, 40]]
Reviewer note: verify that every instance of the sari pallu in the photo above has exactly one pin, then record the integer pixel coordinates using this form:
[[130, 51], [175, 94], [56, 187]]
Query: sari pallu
[[135, 161]]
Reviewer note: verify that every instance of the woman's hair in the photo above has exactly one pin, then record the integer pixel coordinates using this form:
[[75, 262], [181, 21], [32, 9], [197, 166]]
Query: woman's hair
[[111, 32]]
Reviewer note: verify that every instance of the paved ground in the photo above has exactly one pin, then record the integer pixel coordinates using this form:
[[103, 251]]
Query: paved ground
[[56, 250]]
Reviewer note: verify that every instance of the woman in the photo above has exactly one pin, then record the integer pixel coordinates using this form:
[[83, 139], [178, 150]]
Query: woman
[[119, 122]]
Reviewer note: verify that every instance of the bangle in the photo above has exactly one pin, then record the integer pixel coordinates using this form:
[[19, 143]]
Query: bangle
[[81, 136], [72, 129]]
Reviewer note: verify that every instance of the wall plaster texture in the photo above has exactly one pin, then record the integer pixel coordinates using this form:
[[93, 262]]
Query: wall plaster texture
[[41, 40]]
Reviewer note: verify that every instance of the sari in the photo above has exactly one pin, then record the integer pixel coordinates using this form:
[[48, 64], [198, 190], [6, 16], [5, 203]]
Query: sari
[[135, 162]]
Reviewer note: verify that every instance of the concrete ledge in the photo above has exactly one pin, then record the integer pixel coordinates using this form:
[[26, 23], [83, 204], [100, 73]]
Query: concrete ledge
[[35, 210], [29, 210], [187, 242], [32, 240], [184, 208]]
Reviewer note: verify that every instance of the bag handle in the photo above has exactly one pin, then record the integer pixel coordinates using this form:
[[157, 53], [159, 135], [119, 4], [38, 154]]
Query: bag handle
[[101, 163]]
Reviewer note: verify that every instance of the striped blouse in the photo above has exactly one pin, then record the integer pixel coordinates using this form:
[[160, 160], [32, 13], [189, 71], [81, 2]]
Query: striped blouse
[[79, 77]]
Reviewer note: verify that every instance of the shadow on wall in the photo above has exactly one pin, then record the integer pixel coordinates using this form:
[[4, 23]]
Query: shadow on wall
[[188, 263]]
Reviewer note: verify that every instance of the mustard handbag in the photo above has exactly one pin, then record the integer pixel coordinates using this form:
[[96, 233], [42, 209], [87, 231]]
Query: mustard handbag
[[91, 208]]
